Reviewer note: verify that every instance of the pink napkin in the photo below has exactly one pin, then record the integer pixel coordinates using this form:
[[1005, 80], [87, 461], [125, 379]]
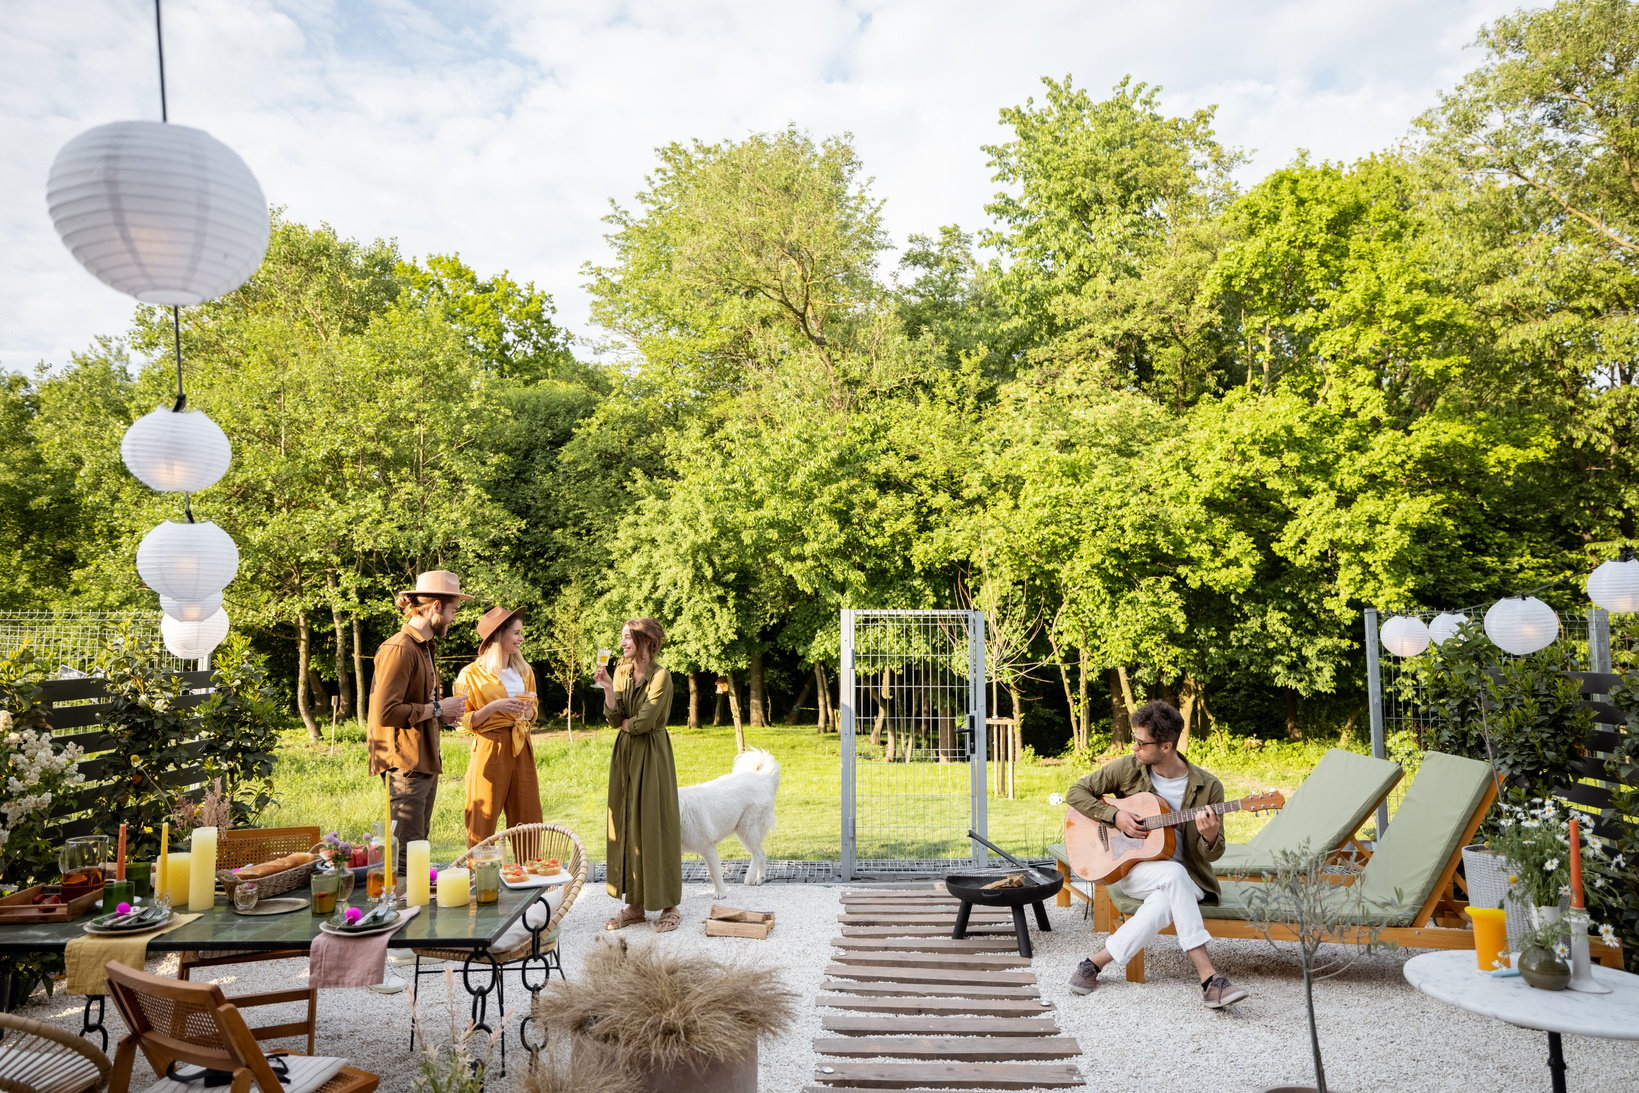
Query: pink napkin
[[341, 961]]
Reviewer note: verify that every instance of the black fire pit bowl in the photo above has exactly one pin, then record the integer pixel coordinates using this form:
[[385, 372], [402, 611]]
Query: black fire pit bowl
[[971, 889]]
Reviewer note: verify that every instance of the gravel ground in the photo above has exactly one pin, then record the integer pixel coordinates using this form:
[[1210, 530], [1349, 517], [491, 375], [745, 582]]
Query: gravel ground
[[1376, 1029]]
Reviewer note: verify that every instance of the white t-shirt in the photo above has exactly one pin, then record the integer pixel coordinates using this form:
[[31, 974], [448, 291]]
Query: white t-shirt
[[1172, 792], [512, 681]]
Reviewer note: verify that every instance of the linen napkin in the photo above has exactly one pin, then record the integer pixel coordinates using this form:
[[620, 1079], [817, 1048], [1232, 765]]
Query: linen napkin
[[342, 961], [86, 956]]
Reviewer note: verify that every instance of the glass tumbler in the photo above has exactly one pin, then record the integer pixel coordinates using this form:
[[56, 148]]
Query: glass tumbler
[[246, 895], [486, 873]]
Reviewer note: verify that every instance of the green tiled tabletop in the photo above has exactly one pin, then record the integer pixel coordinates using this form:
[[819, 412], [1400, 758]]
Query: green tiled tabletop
[[472, 926]]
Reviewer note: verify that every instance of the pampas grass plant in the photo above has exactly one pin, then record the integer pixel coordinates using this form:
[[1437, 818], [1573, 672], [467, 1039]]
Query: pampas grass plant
[[651, 1009]]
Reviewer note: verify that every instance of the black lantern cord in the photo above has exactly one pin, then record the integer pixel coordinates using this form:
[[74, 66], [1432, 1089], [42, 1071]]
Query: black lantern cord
[[176, 343], [159, 36]]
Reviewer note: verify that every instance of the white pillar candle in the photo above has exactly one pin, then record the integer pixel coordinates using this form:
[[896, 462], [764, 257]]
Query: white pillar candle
[[202, 870], [418, 861], [178, 868], [454, 887]]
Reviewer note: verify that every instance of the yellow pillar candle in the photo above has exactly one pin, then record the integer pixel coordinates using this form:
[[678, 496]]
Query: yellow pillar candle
[[454, 887], [177, 868], [202, 870], [418, 864], [387, 837]]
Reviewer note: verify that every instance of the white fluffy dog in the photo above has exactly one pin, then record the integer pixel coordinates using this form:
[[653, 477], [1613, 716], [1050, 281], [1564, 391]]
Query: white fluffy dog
[[740, 803]]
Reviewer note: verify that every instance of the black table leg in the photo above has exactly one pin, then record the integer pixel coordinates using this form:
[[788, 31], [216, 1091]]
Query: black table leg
[[962, 914], [487, 984], [95, 1004], [1021, 931], [1556, 1062], [1041, 917]]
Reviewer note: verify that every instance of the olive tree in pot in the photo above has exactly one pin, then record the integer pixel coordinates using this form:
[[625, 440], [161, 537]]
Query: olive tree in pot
[[1306, 904]]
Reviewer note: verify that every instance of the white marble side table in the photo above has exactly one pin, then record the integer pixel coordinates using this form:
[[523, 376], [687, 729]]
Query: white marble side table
[[1453, 978]]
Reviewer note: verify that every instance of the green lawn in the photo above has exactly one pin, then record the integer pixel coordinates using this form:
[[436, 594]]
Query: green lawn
[[315, 786]]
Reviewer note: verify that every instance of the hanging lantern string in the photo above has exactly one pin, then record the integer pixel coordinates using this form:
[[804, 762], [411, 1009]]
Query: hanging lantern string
[[187, 507], [1567, 579], [159, 36], [176, 343]]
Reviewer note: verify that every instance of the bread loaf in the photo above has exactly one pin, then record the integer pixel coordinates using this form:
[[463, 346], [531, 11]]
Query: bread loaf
[[268, 868]]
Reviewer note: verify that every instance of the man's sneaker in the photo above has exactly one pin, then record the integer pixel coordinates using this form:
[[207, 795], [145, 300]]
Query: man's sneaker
[[1220, 992], [1084, 978]]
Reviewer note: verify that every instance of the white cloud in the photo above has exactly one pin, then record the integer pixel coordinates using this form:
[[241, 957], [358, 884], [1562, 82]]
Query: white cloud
[[503, 132]]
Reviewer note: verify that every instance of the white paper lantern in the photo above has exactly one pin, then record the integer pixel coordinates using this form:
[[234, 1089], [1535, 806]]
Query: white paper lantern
[[1404, 636], [193, 640], [191, 610], [187, 562], [176, 452], [1521, 624], [1615, 586], [1444, 627], [165, 213]]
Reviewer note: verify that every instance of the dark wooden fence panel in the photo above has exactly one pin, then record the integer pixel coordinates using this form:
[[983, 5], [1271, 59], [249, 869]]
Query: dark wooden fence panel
[[76, 704]]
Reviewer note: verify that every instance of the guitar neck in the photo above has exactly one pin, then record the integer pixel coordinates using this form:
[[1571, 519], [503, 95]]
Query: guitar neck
[[1172, 819]]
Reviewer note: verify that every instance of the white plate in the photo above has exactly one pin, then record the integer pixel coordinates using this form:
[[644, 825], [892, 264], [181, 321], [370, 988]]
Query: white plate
[[143, 928], [383, 928], [537, 880]]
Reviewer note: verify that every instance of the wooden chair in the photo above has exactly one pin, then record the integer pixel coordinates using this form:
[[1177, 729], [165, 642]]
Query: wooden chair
[[523, 843], [36, 1058], [194, 1024], [1408, 885], [250, 846]]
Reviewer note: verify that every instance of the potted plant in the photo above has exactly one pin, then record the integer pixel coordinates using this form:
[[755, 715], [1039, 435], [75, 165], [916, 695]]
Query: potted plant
[[1303, 903], [661, 1022]]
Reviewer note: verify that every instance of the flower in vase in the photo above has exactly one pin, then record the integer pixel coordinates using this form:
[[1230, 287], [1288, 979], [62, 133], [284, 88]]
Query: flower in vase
[[1606, 934], [1561, 950]]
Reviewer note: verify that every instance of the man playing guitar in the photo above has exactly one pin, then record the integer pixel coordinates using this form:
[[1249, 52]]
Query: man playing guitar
[[1171, 889]]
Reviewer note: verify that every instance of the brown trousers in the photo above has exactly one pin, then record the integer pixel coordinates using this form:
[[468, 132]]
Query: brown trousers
[[499, 781], [414, 793]]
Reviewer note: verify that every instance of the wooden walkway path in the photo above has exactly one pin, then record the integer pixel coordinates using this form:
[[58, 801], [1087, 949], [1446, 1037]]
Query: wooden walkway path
[[946, 1015]]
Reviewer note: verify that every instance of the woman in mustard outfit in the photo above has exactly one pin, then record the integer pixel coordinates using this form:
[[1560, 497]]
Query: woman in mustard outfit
[[645, 861], [500, 690]]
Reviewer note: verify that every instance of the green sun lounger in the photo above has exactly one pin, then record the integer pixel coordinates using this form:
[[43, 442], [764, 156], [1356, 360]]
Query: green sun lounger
[[1324, 812]]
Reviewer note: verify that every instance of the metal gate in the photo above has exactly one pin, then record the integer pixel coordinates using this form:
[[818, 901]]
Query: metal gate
[[912, 727]]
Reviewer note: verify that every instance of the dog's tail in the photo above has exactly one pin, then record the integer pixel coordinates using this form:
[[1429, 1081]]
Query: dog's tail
[[757, 761]]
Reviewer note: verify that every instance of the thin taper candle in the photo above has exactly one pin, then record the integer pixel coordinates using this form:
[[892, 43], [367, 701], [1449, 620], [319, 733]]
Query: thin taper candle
[[164, 859], [387, 838], [1576, 866]]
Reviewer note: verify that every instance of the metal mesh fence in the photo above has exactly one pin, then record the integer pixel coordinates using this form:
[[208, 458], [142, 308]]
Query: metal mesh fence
[[1586, 643], [68, 642], [913, 752]]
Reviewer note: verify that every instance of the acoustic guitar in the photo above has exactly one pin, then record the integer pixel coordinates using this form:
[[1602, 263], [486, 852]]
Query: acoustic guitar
[[1100, 852]]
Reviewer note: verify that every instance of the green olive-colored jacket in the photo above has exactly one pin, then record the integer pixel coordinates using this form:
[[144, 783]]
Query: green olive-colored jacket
[[1126, 776]]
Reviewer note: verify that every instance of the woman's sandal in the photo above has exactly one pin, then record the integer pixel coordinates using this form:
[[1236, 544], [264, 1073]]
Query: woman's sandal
[[627, 917], [668, 921]]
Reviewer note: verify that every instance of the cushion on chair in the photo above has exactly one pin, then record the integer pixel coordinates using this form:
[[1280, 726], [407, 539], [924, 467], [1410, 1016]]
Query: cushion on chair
[[1427, 829], [47, 1072], [1330, 805], [306, 1073], [537, 914]]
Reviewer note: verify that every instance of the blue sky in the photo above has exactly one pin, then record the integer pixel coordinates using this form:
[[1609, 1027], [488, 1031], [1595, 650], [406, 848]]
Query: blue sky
[[503, 129]]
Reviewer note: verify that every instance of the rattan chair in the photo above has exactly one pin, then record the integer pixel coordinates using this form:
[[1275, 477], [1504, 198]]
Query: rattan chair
[[249, 846], [523, 843], [195, 1024], [36, 1058]]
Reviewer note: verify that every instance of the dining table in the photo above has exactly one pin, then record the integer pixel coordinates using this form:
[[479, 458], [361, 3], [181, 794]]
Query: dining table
[[473, 927]]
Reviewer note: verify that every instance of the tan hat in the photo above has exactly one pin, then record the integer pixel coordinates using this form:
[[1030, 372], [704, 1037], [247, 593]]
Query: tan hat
[[437, 582], [496, 618]]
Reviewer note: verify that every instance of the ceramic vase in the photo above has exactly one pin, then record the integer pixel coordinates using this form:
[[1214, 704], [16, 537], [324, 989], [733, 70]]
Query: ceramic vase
[[1543, 970]]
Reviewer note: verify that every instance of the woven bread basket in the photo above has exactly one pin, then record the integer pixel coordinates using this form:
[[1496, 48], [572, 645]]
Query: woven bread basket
[[274, 885]]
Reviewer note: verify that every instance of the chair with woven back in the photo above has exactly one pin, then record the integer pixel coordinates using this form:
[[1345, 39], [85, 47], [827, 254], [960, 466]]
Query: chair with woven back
[[237, 847], [195, 1025], [519, 945], [37, 1058]]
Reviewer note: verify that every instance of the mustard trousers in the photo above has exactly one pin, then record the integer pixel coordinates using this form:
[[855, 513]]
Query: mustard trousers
[[499, 781]]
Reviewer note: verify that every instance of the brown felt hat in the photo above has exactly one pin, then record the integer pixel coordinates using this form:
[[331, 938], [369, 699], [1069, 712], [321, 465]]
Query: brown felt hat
[[496, 619], [437, 582]]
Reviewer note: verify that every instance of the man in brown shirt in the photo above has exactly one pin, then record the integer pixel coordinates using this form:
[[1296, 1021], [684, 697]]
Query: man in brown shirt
[[406, 706]]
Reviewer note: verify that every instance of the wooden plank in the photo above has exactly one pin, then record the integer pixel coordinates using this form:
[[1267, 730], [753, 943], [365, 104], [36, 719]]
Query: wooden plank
[[968, 1075], [931, 891], [927, 1007], [974, 929], [979, 963], [925, 975], [951, 1048], [949, 914], [933, 944], [882, 1024], [914, 919], [858, 1089], [959, 990]]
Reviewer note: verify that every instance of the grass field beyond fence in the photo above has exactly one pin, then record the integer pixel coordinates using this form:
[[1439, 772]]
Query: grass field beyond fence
[[316, 785]]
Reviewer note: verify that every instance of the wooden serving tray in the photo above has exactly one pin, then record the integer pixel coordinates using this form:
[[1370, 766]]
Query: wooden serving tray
[[20, 906]]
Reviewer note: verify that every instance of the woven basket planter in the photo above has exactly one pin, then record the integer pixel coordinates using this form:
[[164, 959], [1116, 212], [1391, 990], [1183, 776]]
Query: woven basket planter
[[1488, 874]]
